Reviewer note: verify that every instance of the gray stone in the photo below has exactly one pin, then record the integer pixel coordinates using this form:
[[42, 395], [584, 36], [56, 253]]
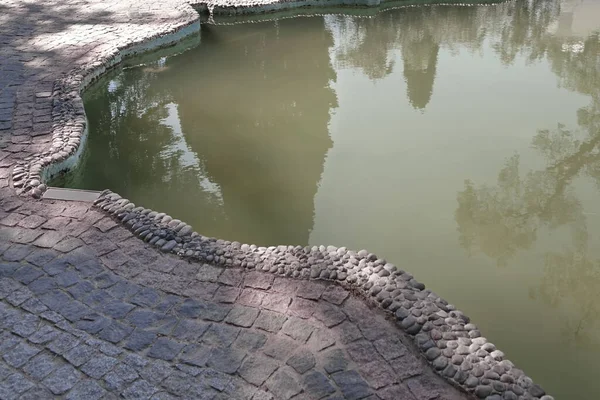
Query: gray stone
[[226, 360], [20, 354], [86, 390], [165, 349], [351, 384], [317, 386], [302, 361], [242, 316], [283, 385], [40, 366], [256, 369], [62, 380], [270, 321], [334, 361], [80, 354], [98, 366], [140, 389]]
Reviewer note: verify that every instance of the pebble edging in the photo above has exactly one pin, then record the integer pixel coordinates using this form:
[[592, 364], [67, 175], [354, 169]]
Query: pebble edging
[[451, 344]]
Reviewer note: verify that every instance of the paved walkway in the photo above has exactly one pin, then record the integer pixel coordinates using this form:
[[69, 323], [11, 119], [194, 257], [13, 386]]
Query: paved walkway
[[88, 310]]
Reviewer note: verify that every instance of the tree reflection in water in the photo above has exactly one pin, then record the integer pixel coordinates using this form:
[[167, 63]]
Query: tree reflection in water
[[501, 220]]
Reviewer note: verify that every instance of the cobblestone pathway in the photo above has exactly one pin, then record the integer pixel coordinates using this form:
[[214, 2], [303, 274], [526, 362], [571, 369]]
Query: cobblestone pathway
[[89, 312]]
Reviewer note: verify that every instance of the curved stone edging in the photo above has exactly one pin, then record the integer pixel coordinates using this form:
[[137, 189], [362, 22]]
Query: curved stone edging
[[445, 336], [452, 345]]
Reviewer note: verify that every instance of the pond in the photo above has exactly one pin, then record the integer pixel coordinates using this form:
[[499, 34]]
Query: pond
[[460, 143]]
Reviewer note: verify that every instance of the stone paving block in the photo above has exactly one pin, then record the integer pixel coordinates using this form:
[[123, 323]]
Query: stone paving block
[[302, 361], [36, 393], [178, 383], [140, 389], [86, 390], [208, 273], [390, 348], [362, 352], [226, 294], [200, 290], [302, 308], [40, 366], [242, 316], [34, 306], [231, 277], [270, 321], [318, 386], [15, 384], [42, 285], [63, 343], [347, 332], [195, 354], [321, 339], [26, 325], [27, 274], [351, 384], [225, 359], [310, 290], [334, 360], [156, 371], [335, 294], [20, 354], [250, 340], [276, 302], [395, 392], [424, 388], [256, 369], [297, 329], [80, 354], [40, 257], [283, 385], [120, 376], [237, 388], [48, 239], [165, 349], [43, 335], [279, 347], [98, 366], [19, 296], [407, 366], [115, 332], [258, 280], [191, 308], [378, 374], [62, 380], [17, 252], [32, 221], [328, 314], [251, 297], [190, 330]]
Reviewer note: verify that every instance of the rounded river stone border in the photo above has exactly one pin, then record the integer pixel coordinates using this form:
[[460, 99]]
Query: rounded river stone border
[[452, 345]]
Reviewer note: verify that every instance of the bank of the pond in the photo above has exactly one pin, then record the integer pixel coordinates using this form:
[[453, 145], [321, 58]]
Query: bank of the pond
[[56, 255]]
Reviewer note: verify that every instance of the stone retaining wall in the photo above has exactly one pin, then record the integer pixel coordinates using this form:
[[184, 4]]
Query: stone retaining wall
[[447, 339]]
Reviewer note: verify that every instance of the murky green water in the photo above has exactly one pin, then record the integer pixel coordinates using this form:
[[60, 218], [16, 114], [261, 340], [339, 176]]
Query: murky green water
[[462, 144]]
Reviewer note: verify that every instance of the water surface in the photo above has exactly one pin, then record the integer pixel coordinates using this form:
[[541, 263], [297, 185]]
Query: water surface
[[460, 143]]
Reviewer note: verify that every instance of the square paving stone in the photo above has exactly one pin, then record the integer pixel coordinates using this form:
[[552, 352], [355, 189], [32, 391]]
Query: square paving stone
[[226, 294], [302, 308], [68, 244], [146, 297], [362, 352], [270, 321], [98, 366], [258, 280], [352, 385], [43, 335], [165, 349], [195, 354], [80, 354], [139, 339], [320, 339], [156, 371], [310, 290], [231, 277], [395, 392], [86, 390], [242, 316], [27, 274], [32, 221], [335, 294], [140, 389], [120, 376], [378, 374], [34, 306], [36, 393], [424, 387], [276, 302], [220, 335], [225, 359], [390, 348], [40, 366], [190, 330], [283, 385], [279, 347], [105, 280], [27, 325], [191, 308], [67, 278], [91, 268], [347, 332], [63, 343], [237, 388], [208, 273], [251, 297], [334, 360], [329, 314], [20, 354], [40, 257], [124, 290], [407, 366], [19, 296], [302, 361], [256, 369], [250, 340], [317, 386], [178, 383], [115, 332], [17, 252], [62, 380], [81, 290], [42, 285], [15, 384], [298, 329]]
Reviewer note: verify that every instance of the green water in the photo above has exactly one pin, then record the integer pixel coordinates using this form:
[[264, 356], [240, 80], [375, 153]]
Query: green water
[[462, 144]]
